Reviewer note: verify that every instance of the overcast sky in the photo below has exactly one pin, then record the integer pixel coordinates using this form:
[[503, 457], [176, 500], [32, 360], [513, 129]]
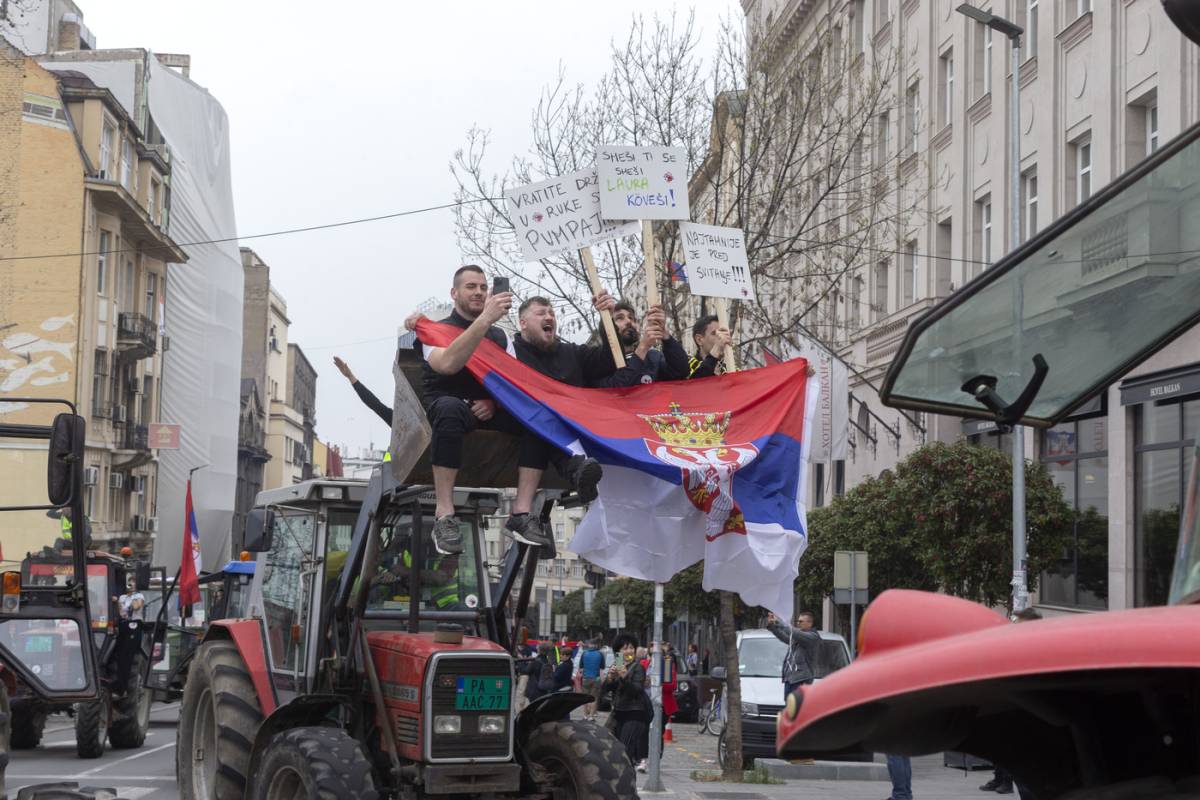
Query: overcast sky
[[354, 109]]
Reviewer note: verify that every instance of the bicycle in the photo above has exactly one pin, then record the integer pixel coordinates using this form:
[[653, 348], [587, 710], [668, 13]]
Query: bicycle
[[712, 716]]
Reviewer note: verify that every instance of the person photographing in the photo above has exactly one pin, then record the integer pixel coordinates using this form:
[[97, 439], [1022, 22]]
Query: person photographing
[[803, 645]]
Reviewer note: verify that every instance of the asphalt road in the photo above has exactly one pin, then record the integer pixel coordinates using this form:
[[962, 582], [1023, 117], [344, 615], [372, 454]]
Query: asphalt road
[[147, 773]]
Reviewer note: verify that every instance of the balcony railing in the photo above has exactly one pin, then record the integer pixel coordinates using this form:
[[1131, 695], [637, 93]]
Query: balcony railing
[[136, 332], [137, 437]]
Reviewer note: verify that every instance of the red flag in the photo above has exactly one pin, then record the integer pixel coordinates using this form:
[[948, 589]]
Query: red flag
[[189, 569]]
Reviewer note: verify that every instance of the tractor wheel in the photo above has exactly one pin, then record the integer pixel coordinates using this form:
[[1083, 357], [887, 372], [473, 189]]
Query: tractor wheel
[[313, 764], [5, 730], [26, 725], [217, 722], [91, 726], [580, 761], [131, 712]]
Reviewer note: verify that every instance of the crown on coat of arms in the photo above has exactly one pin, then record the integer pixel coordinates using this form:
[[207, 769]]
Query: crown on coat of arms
[[693, 429]]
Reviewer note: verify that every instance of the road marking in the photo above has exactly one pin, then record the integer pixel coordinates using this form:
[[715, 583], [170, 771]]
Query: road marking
[[138, 754]]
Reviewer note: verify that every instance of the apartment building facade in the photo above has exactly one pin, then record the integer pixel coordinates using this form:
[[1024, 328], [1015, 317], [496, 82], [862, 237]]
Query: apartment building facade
[[82, 177], [1102, 85]]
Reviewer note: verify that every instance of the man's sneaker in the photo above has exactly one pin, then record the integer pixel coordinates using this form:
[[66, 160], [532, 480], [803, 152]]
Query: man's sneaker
[[990, 786], [584, 473], [526, 529], [447, 537], [1004, 788]]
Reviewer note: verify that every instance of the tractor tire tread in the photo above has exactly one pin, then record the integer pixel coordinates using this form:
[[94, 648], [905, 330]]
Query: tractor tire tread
[[332, 764], [90, 732], [600, 760], [25, 728], [126, 731], [218, 667]]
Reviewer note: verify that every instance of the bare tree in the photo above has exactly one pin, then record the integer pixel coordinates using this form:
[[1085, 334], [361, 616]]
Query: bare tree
[[791, 144]]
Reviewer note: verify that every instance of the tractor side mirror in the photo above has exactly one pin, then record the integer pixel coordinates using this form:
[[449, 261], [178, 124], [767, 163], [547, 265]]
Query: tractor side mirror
[[717, 673], [66, 456], [260, 524], [141, 576]]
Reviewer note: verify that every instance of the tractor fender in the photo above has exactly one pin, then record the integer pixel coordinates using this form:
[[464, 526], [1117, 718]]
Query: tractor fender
[[247, 636], [547, 708], [302, 711]]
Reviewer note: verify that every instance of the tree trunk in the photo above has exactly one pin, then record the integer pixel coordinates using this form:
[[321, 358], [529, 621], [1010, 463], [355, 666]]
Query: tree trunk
[[733, 690]]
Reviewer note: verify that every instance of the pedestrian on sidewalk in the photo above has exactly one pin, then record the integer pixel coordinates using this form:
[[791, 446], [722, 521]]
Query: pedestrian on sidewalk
[[693, 661], [900, 771], [803, 646], [704, 663], [631, 707], [591, 664]]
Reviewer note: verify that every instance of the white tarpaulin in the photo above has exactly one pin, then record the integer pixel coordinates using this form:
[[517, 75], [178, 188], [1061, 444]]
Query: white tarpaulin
[[833, 414], [203, 320]]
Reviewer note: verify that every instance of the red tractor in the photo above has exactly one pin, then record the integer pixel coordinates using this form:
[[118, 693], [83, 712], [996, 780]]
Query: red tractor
[[372, 666]]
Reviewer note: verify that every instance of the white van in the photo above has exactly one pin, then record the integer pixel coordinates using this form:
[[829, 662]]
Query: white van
[[760, 662]]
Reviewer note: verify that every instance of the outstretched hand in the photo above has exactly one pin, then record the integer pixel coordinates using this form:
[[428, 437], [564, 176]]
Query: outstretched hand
[[344, 368]]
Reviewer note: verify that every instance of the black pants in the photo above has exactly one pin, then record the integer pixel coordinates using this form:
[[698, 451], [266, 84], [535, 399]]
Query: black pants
[[451, 420]]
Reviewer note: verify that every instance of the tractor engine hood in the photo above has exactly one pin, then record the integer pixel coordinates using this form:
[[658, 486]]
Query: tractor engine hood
[[422, 645], [1085, 700]]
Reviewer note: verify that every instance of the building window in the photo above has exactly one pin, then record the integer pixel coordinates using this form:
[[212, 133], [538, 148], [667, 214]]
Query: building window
[[879, 308], [99, 382], [858, 11], [983, 234], [908, 282], [854, 301], [1076, 455], [153, 201], [1165, 435], [1152, 128], [1027, 18], [151, 293], [883, 13], [818, 485], [881, 139], [983, 60], [1082, 7], [1082, 151], [946, 88], [912, 118], [129, 288], [839, 478], [127, 164], [107, 136], [1029, 202], [835, 48], [943, 264], [102, 261]]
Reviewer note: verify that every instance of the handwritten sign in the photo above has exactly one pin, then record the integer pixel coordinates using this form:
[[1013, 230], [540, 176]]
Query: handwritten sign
[[643, 182], [716, 261], [561, 214]]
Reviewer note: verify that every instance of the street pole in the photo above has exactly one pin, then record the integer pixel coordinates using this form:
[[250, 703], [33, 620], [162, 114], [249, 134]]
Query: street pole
[[853, 608], [653, 775], [1020, 593]]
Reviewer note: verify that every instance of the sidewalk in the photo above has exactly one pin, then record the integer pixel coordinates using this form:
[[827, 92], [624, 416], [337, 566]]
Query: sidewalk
[[694, 751]]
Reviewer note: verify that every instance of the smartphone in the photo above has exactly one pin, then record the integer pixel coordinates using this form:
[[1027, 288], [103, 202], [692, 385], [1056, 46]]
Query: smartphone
[[500, 284]]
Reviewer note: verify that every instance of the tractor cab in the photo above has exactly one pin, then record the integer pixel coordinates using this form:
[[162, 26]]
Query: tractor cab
[[1078, 706]]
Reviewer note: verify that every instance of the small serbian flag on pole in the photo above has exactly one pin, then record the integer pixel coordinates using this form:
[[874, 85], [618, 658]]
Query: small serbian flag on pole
[[189, 567], [676, 271], [710, 469]]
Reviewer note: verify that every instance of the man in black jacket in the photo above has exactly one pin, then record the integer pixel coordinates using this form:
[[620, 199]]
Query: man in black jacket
[[711, 339], [669, 364], [366, 395]]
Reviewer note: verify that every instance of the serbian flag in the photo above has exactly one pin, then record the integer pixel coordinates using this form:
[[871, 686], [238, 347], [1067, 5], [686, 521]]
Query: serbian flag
[[676, 271], [707, 469], [189, 567]]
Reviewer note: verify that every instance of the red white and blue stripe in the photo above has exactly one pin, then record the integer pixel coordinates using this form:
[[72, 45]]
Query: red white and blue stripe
[[655, 515]]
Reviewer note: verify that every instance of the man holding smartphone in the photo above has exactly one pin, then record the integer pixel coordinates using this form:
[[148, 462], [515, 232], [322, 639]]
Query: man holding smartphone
[[457, 404]]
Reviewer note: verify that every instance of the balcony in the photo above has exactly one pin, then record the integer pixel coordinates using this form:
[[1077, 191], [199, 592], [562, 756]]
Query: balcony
[[136, 335], [136, 437]]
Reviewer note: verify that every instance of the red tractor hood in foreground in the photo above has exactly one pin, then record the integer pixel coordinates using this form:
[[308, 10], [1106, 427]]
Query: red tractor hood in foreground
[[1085, 700], [422, 645]]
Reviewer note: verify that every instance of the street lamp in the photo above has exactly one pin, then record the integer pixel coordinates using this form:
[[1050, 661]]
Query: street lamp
[[1013, 31]]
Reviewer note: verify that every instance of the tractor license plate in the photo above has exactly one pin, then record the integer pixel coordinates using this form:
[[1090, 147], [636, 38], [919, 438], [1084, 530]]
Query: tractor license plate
[[482, 693]]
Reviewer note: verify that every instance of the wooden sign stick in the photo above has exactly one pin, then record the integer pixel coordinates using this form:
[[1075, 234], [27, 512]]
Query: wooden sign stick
[[610, 330], [723, 320], [649, 263]]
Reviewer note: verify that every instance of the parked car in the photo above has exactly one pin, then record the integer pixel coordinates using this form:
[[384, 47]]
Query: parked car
[[760, 662]]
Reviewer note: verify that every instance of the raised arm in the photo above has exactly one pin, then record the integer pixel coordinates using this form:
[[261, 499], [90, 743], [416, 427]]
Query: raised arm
[[372, 402]]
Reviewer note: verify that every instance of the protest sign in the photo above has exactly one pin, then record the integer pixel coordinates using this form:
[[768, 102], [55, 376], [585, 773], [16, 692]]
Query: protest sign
[[643, 182], [561, 214], [716, 261]]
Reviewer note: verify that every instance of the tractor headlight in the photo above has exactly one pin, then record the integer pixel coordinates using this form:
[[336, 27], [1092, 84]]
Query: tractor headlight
[[749, 709], [491, 725], [450, 723], [683, 686]]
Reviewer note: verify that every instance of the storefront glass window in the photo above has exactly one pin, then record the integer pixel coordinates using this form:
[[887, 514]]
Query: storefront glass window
[[1075, 453], [1161, 469]]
